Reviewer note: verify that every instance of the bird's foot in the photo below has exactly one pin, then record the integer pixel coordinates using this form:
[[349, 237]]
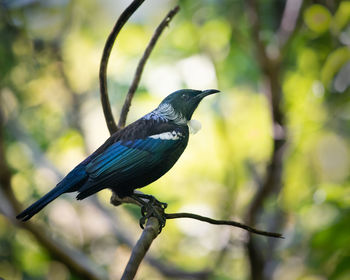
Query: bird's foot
[[151, 199], [151, 208]]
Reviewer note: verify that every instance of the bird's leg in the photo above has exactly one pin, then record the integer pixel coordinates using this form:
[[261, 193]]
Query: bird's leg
[[151, 199], [151, 208]]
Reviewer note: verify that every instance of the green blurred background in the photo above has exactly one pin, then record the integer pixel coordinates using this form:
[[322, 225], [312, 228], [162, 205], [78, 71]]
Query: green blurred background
[[52, 118]]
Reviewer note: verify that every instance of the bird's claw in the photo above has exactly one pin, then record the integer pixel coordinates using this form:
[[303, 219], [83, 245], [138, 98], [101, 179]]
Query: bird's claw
[[142, 222], [153, 208], [151, 199], [157, 203]]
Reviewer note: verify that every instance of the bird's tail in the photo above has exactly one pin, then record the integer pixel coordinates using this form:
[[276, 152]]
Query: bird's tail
[[40, 204], [70, 183]]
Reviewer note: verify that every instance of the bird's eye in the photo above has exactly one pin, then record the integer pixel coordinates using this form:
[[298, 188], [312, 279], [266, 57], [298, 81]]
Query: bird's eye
[[184, 96]]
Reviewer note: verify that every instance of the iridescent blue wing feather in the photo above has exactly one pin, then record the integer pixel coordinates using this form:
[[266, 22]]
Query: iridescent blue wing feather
[[132, 160]]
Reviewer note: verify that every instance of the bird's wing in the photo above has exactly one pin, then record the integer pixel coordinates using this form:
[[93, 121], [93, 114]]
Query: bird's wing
[[126, 158]]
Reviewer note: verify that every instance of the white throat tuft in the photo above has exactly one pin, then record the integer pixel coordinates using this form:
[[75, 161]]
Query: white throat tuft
[[194, 126]]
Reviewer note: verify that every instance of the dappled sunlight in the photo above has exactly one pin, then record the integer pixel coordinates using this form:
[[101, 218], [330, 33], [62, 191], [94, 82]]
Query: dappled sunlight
[[195, 228], [65, 221], [198, 72], [162, 80], [332, 157]]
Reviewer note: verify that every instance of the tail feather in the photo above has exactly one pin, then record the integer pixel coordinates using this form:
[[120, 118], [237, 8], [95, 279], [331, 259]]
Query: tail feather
[[70, 183], [40, 204]]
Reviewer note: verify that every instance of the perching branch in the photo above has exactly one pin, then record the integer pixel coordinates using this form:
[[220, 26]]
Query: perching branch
[[112, 127], [139, 251], [163, 266], [141, 65], [151, 231]]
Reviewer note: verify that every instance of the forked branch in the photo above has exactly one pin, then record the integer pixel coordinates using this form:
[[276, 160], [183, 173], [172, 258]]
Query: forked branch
[[107, 111]]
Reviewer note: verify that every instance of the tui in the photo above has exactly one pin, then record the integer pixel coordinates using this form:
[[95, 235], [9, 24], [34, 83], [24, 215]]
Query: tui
[[134, 156]]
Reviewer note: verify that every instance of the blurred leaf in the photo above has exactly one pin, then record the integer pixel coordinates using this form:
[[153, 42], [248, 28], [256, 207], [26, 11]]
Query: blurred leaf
[[215, 35], [185, 37], [334, 62], [331, 247], [342, 16], [317, 18]]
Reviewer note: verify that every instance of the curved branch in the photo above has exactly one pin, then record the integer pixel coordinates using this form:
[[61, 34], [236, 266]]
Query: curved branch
[[116, 200], [107, 111], [222, 222], [142, 63], [140, 249]]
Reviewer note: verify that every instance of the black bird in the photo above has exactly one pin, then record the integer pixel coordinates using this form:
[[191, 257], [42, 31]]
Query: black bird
[[134, 156]]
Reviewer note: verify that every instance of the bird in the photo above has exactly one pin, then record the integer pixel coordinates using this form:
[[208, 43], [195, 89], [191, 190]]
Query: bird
[[134, 156]]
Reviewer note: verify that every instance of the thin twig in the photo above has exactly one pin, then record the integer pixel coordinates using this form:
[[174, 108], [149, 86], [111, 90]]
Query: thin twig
[[112, 127], [222, 222], [141, 65], [140, 249]]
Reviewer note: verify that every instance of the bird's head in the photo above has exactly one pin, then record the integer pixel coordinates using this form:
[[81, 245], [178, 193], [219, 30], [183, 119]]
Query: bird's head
[[184, 102]]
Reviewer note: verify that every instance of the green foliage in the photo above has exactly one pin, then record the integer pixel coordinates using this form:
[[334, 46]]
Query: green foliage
[[317, 18]]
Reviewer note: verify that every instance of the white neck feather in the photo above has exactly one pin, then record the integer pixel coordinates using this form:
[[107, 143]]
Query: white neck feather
[[167, 111]]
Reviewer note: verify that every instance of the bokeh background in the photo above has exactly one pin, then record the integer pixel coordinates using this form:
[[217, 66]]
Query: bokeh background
[[280, 166]]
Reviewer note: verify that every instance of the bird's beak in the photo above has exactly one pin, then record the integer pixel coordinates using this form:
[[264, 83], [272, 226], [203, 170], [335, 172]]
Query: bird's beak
[[207, 92]]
